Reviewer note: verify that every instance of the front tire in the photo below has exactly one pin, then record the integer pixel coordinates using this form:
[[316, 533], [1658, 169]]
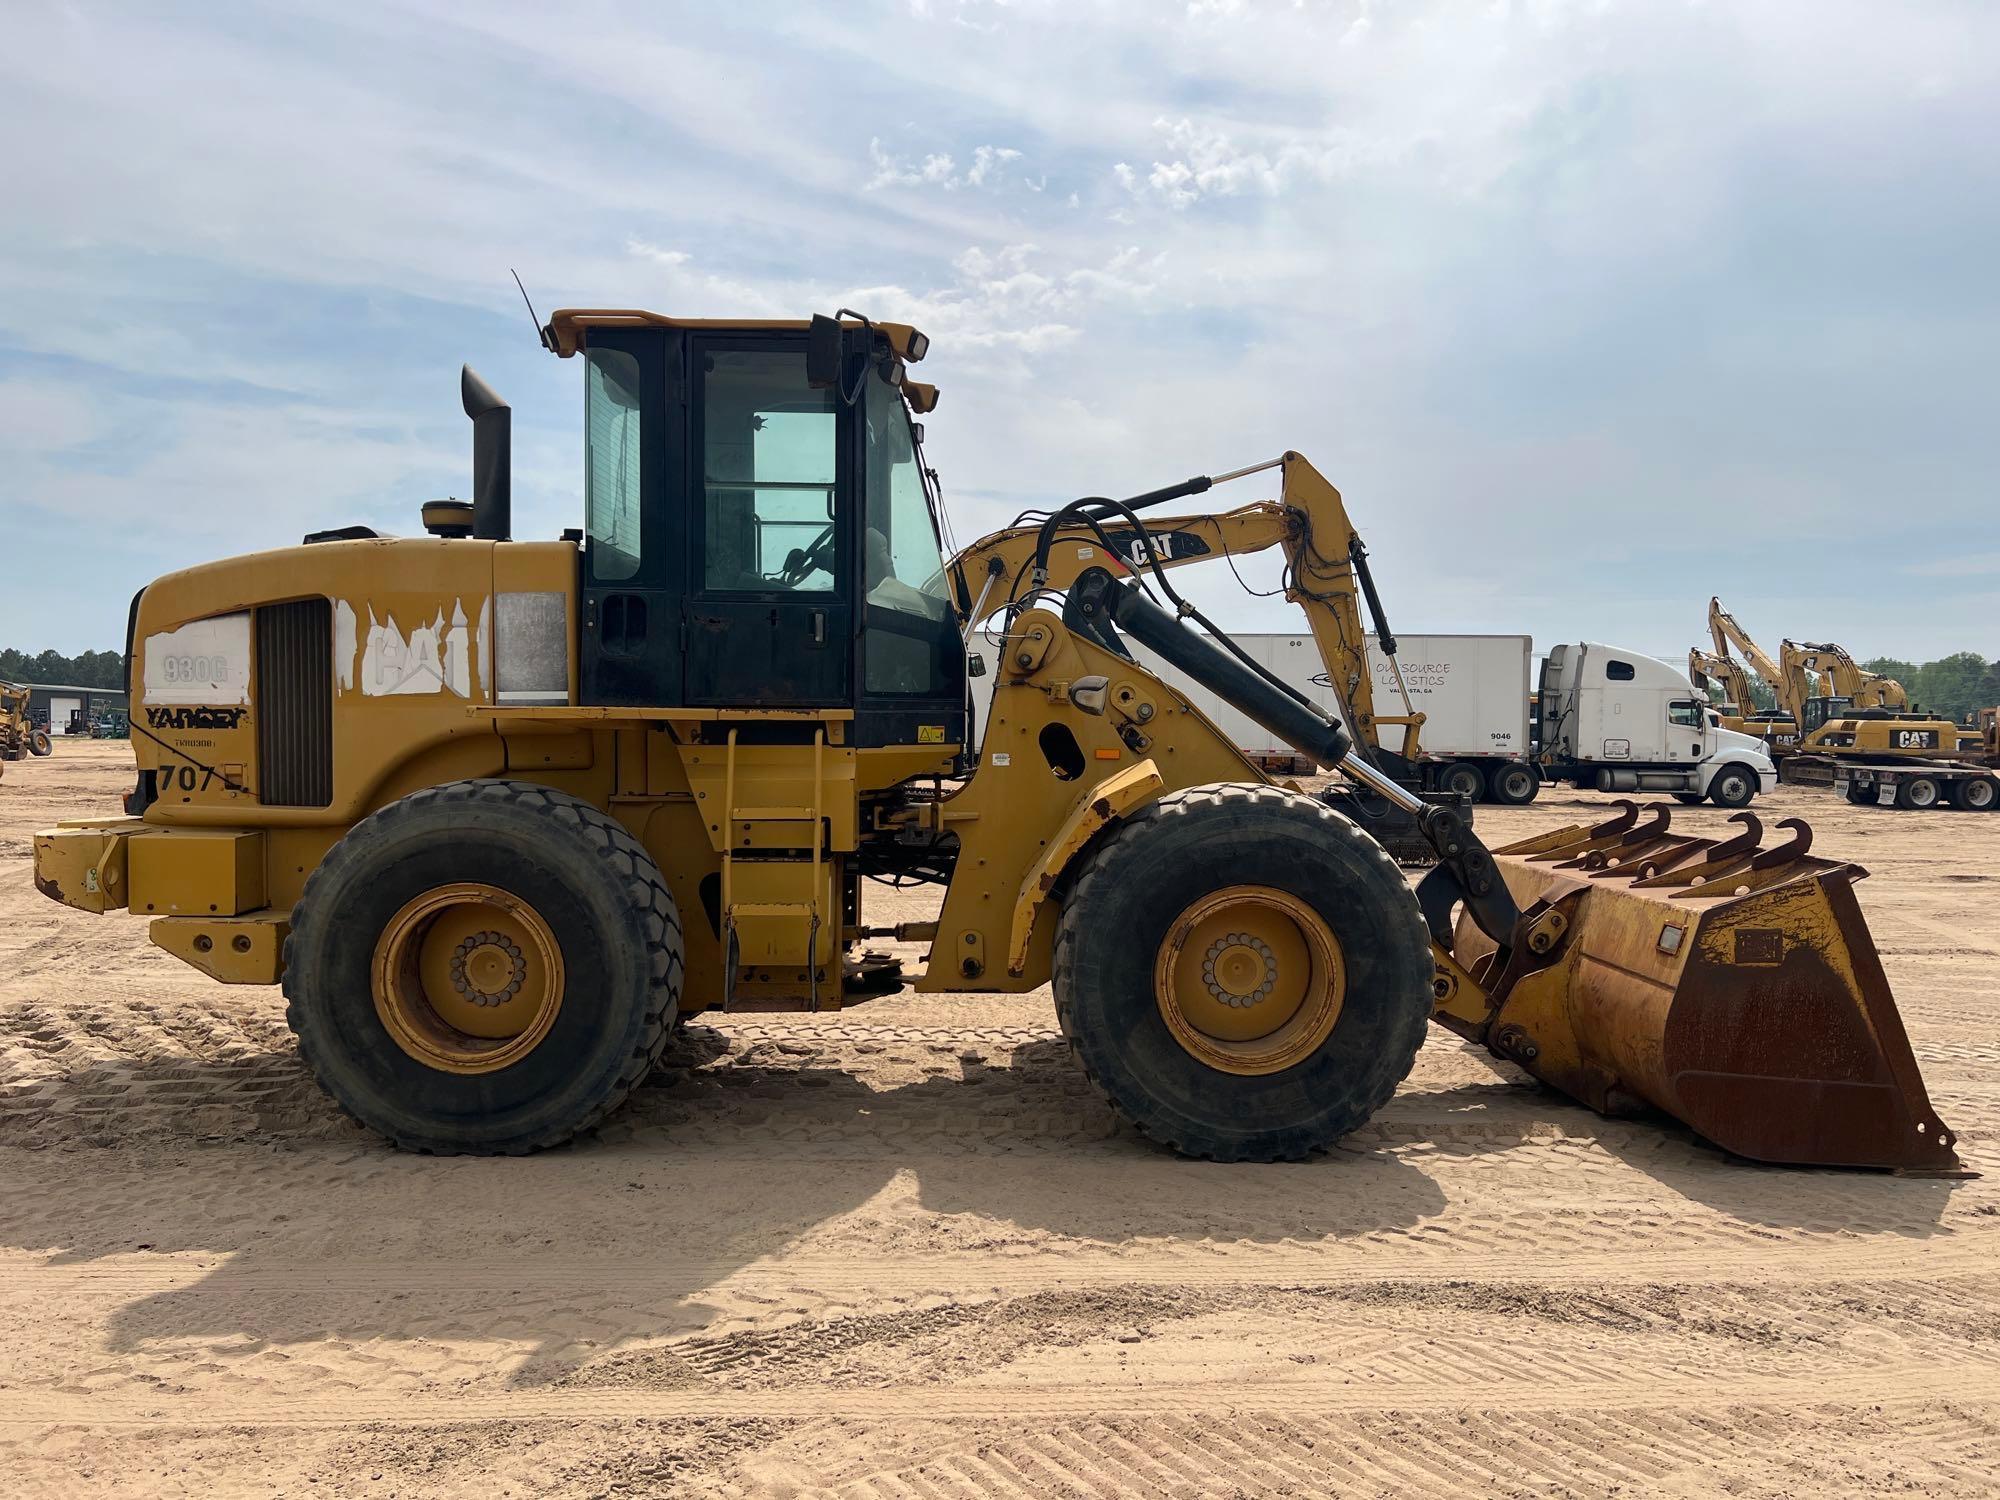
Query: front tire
[[1733, 786], [1243, 972], [485, 966]]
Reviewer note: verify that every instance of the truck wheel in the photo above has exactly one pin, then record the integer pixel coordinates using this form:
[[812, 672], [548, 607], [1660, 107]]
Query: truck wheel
[[484, 966], [1859, 795], [1918, 793], [1513, 784], [1976, 794], [1691, 799], [1733, 786], [1243, 972], [39, 743], [1463, 778]]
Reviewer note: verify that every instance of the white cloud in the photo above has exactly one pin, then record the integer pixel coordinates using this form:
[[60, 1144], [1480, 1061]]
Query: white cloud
[[936, 169], [1524, 278]]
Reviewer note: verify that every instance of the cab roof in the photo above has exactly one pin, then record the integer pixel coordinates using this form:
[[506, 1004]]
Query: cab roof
[[568, 331]]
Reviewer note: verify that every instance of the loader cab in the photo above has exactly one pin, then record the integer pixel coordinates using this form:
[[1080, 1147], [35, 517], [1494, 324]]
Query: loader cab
[[758, 535]]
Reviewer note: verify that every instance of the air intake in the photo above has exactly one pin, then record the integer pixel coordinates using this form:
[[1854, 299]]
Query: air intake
[[294, 704]]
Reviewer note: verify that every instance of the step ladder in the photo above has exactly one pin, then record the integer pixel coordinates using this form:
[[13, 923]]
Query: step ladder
[[773, 909]]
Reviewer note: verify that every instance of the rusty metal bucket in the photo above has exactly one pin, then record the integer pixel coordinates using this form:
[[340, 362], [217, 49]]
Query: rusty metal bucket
[[1736, 988]]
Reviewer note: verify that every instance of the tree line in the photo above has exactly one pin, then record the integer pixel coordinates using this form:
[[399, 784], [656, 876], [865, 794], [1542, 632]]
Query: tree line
[[94, 669], [1950, 687]]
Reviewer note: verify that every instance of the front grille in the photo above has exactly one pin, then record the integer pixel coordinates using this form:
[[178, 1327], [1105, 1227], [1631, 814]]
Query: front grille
[[294, 704]]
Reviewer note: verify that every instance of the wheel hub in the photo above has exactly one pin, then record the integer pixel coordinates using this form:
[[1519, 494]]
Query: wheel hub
[[468, 978], [487, 968], [1249, 980], [1239, 970]]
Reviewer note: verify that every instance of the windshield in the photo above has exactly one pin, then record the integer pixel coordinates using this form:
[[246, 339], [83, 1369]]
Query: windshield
[[904, 563]]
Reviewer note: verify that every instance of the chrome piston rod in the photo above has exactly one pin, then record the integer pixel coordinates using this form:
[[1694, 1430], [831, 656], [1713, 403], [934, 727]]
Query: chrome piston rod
[[1394, 791]]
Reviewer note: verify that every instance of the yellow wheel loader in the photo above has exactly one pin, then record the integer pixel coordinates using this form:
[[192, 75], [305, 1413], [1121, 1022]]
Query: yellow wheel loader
[[20, 737], [496, 813]]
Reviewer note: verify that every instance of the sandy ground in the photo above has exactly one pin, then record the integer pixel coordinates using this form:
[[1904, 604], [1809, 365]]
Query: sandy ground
[[906, 1251]]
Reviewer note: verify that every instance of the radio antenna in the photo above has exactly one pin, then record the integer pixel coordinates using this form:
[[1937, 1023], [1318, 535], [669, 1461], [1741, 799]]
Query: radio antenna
[[540, 338]]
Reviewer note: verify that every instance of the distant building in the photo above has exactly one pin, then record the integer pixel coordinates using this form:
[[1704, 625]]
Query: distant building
[[58, 706]]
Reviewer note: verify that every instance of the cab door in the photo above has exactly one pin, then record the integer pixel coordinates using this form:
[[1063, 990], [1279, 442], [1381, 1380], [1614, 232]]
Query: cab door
[[769, 611], [632, 560]]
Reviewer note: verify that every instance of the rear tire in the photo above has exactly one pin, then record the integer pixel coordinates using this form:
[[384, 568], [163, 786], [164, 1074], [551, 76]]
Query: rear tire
[[1733, 786], [1463, 778], [1691, 799], [1514, 784], [1976, 794], [1918, 793], [570, 898], [39, 743], [1131, 939], [1859, 795]]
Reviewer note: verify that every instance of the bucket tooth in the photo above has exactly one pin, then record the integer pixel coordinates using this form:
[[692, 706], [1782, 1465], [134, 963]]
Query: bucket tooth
[[1733, 988], [1621, 850], [1720, 859]]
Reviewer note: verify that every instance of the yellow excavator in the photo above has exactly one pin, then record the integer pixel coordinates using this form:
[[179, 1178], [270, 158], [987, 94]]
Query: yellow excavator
[[1727, 686], [497, 812], [1844, 678], [1832, 711]]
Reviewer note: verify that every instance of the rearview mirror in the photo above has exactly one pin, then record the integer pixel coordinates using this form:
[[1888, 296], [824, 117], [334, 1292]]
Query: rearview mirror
[[975, 664], [823, 348]]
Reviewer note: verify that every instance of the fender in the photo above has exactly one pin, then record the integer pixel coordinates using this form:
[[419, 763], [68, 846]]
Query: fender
[[1096, 808]]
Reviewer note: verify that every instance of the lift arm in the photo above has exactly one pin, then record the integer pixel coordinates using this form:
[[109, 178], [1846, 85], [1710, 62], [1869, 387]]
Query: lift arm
[[1326, 575]]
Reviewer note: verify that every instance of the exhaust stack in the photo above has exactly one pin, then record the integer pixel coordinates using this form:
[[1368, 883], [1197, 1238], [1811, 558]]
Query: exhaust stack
[[492, 457]]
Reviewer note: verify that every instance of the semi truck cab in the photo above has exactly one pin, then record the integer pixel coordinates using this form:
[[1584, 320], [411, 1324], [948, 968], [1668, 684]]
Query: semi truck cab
[[1615, 720]]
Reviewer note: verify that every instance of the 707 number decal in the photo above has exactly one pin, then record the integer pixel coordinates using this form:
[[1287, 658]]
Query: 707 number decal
[[192, 778]]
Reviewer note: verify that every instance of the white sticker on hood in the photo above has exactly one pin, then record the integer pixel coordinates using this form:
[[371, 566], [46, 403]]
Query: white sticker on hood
[[204, 662], [431, 659]]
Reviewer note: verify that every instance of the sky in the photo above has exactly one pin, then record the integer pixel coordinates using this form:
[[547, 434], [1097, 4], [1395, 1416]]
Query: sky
[[1591, 310]]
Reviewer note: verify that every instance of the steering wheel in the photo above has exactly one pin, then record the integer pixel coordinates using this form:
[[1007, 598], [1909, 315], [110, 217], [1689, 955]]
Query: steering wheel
[[801, 565]]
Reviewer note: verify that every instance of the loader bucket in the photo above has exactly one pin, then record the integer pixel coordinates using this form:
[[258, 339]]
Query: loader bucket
[[1731, 986]]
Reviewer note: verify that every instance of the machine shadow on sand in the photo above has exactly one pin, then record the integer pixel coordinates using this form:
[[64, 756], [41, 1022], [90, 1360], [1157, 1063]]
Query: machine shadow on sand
[[1025, 1145]]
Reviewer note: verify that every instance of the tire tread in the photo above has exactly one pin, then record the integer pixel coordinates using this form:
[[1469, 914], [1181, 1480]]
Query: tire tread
[[644, 889]]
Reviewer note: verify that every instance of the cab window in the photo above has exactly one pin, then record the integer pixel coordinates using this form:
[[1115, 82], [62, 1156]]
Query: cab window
[[611, 463], [771, 449], [1684, 715]]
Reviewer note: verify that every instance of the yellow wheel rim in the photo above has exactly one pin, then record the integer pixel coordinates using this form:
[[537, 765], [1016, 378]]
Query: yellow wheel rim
[[1250, 980], [467, 978]]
